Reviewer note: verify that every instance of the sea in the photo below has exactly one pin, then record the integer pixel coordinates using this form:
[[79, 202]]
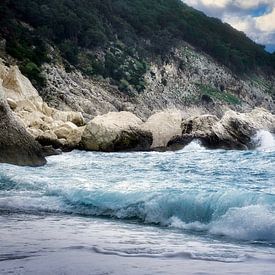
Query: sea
[[192, 211]]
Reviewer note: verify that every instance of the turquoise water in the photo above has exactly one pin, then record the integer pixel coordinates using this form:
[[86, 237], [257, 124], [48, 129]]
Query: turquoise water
[[192, 204]]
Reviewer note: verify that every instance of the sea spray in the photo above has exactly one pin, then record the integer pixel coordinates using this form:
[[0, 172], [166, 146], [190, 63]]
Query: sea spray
[[264, 140]]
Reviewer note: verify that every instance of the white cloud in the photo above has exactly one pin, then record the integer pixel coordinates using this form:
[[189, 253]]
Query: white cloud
[[266, 22], [242, 15]]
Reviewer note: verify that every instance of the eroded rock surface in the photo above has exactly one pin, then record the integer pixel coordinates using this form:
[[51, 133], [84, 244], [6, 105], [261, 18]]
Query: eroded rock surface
[[116, 131], [233, 131], [17, 146], [47, 125], [163, 126]]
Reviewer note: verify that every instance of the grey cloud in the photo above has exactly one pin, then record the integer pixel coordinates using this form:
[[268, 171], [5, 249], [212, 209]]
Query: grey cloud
[[239, 13]]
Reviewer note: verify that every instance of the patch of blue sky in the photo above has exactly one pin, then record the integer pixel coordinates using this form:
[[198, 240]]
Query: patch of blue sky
[[259, 11], [270, 48]]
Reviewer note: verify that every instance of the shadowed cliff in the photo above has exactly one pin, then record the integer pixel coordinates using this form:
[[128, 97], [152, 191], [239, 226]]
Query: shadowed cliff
[[17, 146]]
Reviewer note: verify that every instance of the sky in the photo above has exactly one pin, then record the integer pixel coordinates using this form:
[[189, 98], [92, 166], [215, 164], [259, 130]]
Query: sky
[[254, 17]]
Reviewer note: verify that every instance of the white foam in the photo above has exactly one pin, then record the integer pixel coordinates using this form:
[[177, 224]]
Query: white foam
[[264, 141], [255, 222], [250, 223], [195, 145]]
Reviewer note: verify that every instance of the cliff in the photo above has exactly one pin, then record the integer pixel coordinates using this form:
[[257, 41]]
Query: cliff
[[140, 56], [188, 79], [17, 146]]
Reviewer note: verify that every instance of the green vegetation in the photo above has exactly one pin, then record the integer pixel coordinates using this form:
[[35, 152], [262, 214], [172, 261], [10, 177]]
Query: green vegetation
[[190, 99], [218, 95], [126, 32]]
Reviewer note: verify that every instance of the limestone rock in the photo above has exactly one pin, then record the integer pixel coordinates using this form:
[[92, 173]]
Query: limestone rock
[[233, 131], [195, 127], [171, 83], [241, 127], [51, 151], [12, 103], [35, 132], [74, 138], [17, 146], [164, 126], [65, 129], [19, 87], [3, 70], [49, 138], [199, 125], [73, 117], [116, 131], [41, 120]]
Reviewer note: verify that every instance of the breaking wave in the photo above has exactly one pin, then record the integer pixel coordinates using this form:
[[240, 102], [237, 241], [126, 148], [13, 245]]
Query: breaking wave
[[224, 193], [264, 141]]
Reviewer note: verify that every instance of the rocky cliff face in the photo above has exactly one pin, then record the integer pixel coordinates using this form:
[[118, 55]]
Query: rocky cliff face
[[114, 131], [187, 78], [47, 125]]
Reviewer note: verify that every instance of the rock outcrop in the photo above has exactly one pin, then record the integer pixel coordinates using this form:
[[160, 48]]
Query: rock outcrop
[[183, 79], [123, 131], [47, 125], [163, 126], [17, 146], [233, 131], [116, 131]]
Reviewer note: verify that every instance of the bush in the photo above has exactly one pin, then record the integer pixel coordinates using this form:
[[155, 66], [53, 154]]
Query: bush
[[32, 71], [213, 93]]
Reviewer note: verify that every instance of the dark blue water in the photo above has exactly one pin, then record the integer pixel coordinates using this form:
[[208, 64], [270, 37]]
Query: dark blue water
[[193, 204]]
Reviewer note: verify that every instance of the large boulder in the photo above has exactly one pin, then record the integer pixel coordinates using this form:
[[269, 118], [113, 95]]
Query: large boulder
[[233, 131], [236, 130], [18, 87], [116, 131], [164, 126], [198, 127], [17, 146]]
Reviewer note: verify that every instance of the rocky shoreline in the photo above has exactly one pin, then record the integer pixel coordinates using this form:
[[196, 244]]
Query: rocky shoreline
[[31, 130]]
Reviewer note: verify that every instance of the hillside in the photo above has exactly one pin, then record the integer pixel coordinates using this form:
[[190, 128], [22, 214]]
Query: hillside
[[151, 54]]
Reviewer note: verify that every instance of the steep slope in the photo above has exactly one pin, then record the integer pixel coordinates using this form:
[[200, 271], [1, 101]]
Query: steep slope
[[99, 56], [187, 79]]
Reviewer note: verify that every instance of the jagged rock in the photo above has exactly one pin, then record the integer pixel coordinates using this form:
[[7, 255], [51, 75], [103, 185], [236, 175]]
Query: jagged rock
[[3, 70], [65, 129], [199, 125], [17, 146], [74, 138], [73, 117], [239, 128], [35, 132], [40, 120], [233, 131], [195, 127], [116, 131], [49, 138], [12, 103], [164, 126], [182, 73], [51, 151]]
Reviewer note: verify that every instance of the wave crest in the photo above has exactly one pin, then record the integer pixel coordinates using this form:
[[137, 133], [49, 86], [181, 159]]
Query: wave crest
[[264, 141]]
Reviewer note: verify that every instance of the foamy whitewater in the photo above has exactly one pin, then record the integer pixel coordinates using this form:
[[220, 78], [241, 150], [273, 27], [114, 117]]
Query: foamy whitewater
[[191, 211]]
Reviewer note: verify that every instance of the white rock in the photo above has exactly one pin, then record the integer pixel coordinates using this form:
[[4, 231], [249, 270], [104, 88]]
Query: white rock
[[12, 103], [164, 126], [115, 131]]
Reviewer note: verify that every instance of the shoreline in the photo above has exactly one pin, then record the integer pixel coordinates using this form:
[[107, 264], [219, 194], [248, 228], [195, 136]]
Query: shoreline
[[72, 257]]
